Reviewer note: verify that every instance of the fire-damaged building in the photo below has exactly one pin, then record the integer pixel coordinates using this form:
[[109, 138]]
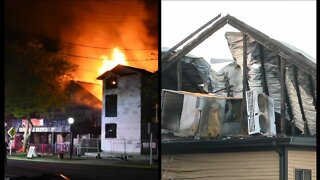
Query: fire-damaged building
[[51, 131], [128, 113], [254, 119]]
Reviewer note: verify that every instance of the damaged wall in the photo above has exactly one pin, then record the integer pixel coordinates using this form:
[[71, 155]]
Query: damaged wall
[[307, 100], [256, 53], [264, 56], [200, 115]]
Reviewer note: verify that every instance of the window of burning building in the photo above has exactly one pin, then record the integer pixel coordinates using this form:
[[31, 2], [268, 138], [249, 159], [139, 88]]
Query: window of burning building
[[111, 130], [111, 82], [111, 105]]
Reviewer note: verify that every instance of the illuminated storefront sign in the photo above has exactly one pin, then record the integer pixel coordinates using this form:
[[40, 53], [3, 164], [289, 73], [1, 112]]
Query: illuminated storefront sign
[[40, 129], [35, 122]]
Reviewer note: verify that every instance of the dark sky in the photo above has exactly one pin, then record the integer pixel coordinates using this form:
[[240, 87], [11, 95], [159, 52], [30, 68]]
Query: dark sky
[[53, 18], [68, 25], [58, 19]]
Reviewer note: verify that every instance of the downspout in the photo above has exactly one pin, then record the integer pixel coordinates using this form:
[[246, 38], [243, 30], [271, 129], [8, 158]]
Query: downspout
[[283, 175]]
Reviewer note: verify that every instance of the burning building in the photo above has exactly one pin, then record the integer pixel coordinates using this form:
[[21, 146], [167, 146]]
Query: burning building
[[91, 34], [126, 110], [52, 127]]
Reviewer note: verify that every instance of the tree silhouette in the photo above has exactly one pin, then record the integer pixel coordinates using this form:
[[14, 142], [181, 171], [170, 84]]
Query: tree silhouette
[[34, 81]]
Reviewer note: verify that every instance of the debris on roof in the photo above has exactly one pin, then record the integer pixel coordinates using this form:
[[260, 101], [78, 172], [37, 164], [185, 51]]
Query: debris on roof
[[264, 76], [283, 73]]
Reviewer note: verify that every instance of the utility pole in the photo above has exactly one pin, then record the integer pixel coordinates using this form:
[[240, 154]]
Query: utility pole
[[150, 145]]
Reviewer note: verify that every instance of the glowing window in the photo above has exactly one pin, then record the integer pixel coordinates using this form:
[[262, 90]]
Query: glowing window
[[111, 130], [111, 82]]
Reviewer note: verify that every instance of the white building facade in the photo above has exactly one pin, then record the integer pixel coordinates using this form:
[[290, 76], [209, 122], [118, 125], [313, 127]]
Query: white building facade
[[121, 111]]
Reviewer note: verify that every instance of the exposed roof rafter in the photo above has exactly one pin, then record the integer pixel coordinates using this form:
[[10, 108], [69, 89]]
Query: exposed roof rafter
[[292, 56]]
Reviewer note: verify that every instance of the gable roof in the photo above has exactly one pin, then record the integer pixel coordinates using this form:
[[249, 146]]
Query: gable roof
[[93, 88], [80, 96], [298, 59], [122, 70], [298, 86]]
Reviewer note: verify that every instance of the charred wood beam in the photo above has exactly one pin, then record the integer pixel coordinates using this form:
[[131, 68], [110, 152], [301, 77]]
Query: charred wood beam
[[244, 66], [288, 103], [285, 89], [179, 75], [296, 84], [287, 100], [263, 71], [194, 43], [295, 58], [282, 92], [279, 63], [305, 128], [227, 84], [228, 87], [244, 79], [312, 90], [165, 55], [289, 111]]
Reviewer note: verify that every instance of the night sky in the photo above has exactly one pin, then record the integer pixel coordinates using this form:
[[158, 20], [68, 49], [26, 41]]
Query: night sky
[[88, 29]]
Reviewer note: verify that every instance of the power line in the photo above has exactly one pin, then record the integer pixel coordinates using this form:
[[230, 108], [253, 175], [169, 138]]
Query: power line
[[97, 47], [114, 14], [86, 57], [110, 22]]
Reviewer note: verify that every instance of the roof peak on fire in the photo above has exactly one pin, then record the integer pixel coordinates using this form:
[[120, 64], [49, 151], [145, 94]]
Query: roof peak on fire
[[122, 70]]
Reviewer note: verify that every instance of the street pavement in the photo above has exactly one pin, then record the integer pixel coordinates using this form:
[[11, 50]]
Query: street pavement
[[83, 167], [18, 169], [104, 161]]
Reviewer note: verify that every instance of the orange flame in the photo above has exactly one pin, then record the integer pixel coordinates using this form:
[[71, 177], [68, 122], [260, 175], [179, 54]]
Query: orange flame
[[117, 58]]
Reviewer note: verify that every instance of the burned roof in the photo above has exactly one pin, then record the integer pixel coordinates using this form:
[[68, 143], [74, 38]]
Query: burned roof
[[80, 96], [298, 59], [282, 72], [197, 76], [263, 67], [122, 70]]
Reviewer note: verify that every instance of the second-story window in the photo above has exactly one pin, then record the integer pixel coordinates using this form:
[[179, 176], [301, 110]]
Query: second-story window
[[111, 105], [111, 82]]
